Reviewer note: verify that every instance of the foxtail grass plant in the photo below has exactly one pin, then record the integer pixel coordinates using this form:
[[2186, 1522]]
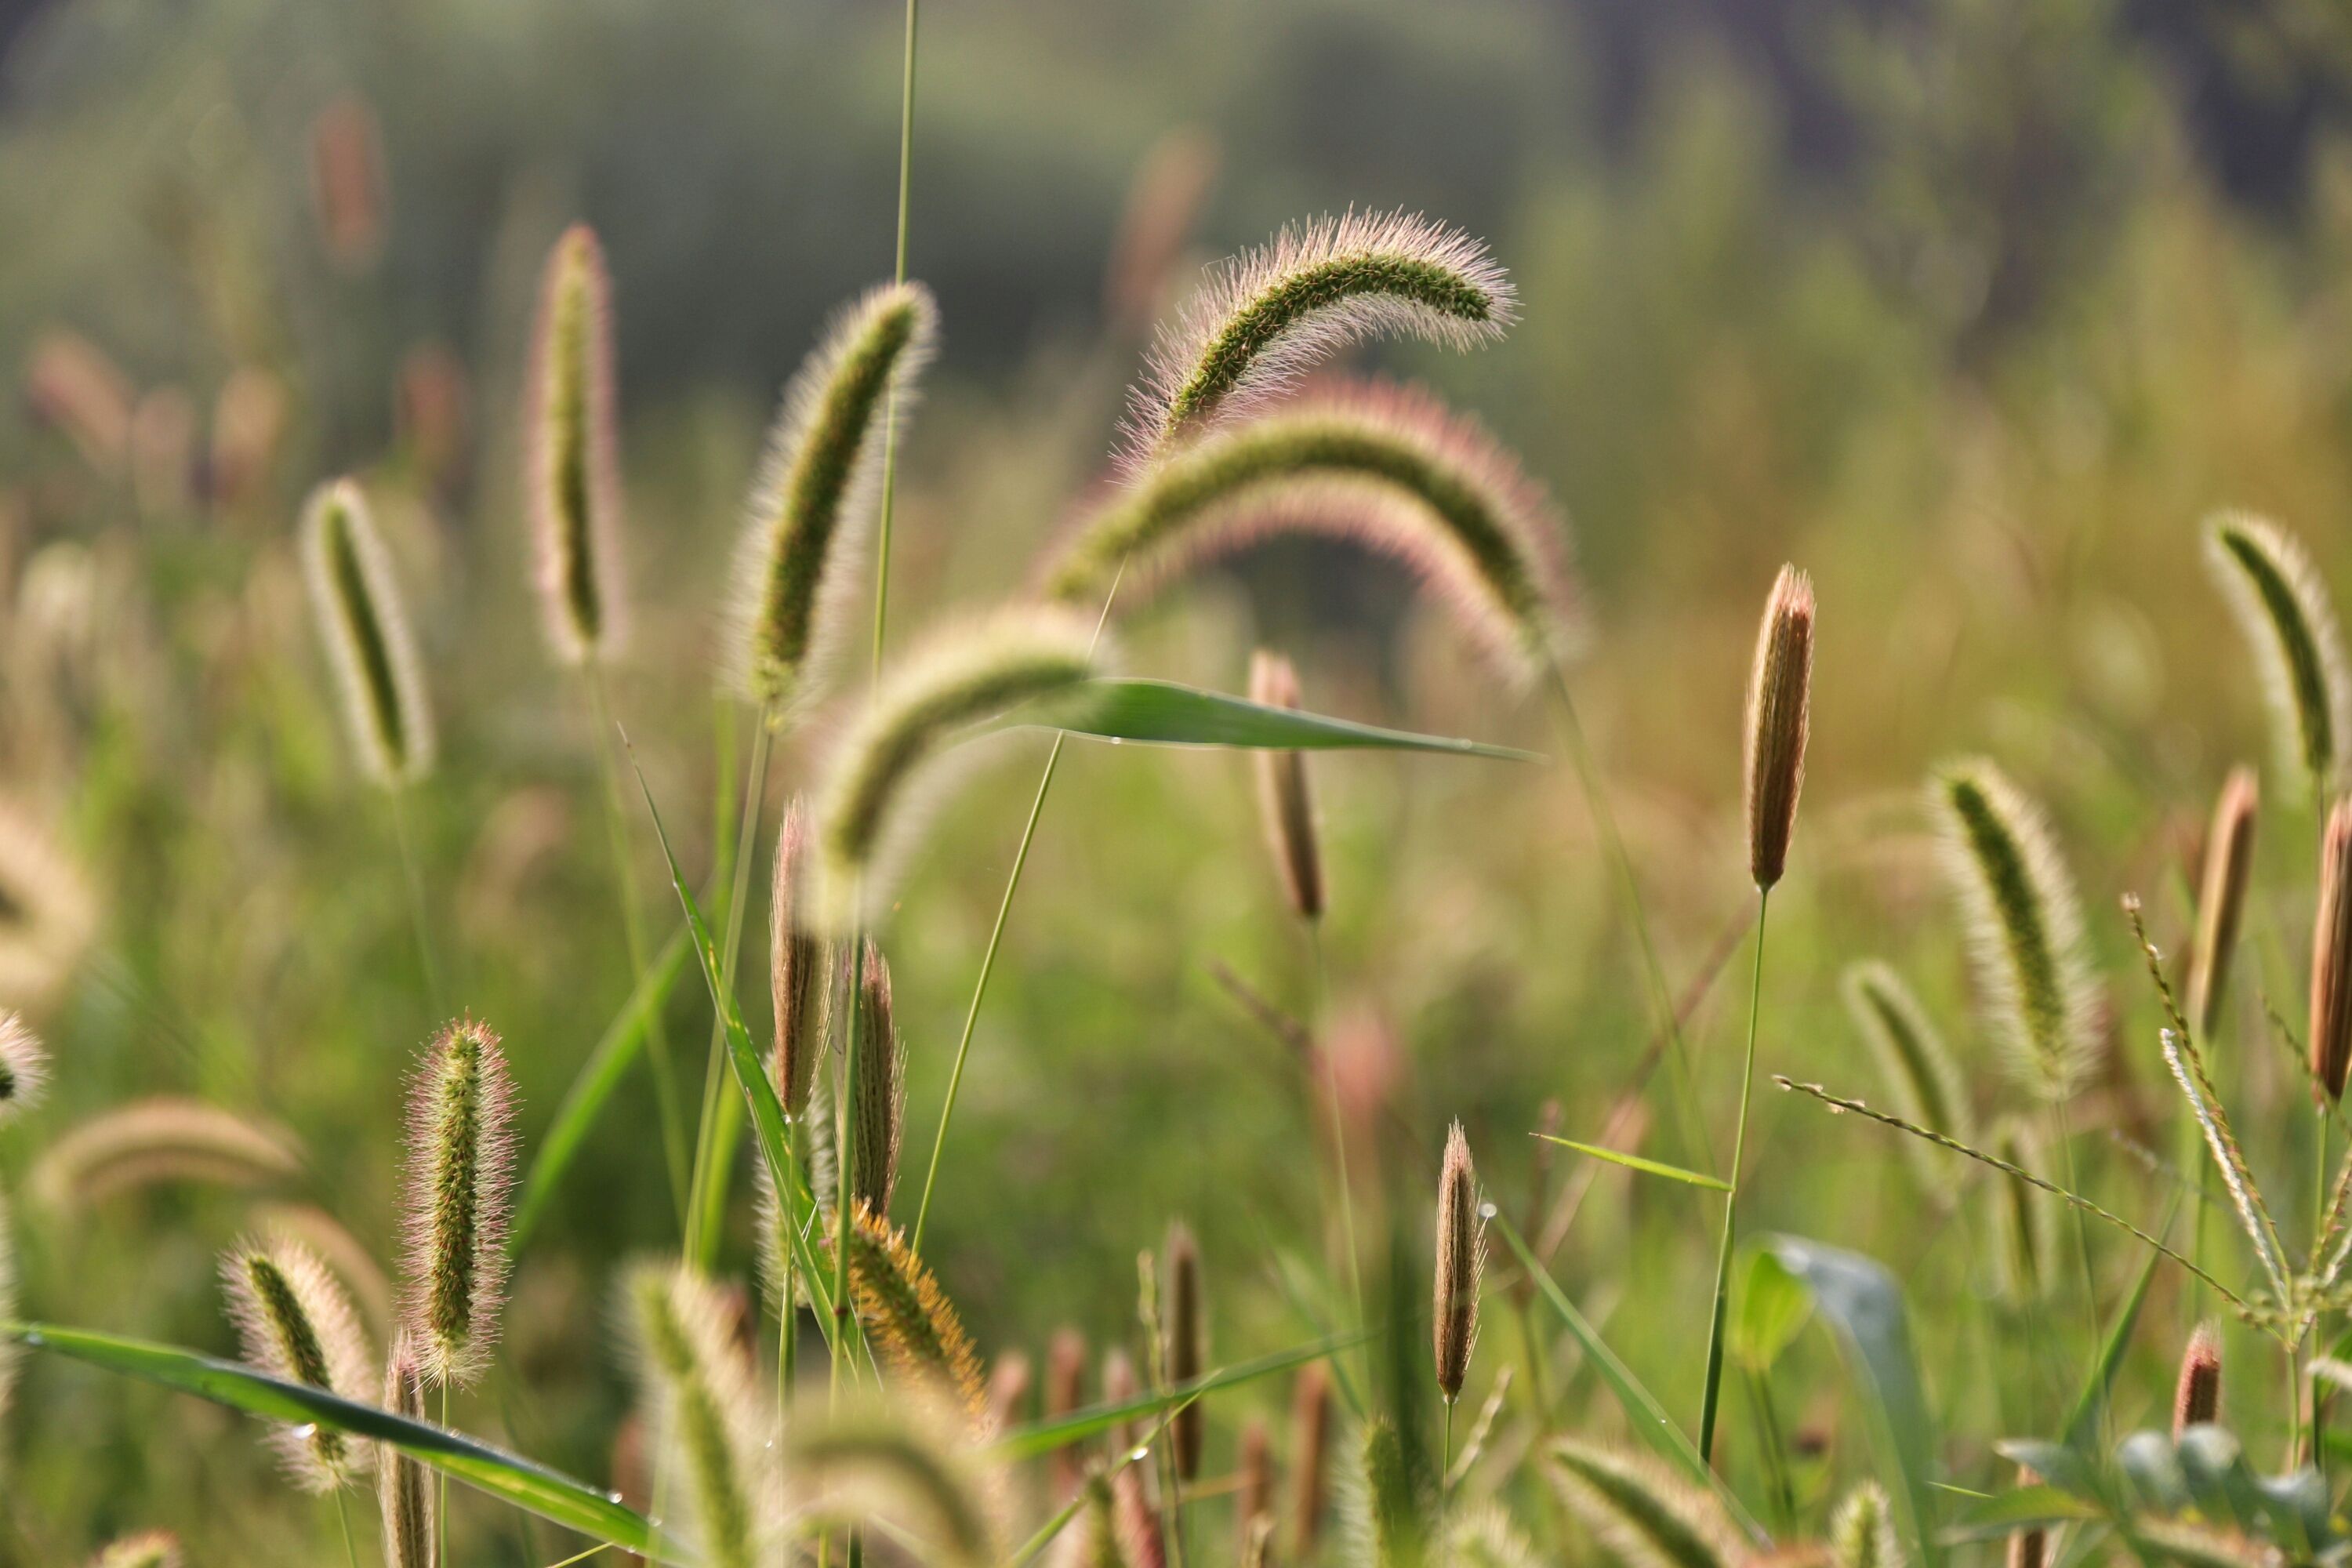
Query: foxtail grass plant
[[2285, 612], [2197, 1393], [703, 1411], [167, 1138], [2228, 868], [1184, 1347], [2330, 1040], [1921, 1079], [404, 1494], [1285, 802], [1862, 1532], [908, 1318], [800, 966], [1393, 1513], [296, 1322], [878, 1118], [1648, 1517], [148, 1548], [1254, 1490], [905, 1465], [1460, 1263], [1311, 1443], [24, 1067], [1772, 750], [460, 1171]]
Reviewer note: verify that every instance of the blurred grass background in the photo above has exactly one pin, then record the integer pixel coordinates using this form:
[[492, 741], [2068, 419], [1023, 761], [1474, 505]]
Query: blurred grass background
[[1972, 308]]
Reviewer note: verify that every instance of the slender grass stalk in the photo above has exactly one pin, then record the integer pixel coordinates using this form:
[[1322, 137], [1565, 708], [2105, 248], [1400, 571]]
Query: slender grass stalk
[[413, 875], [890, 403], [343, 1516], [1716, 1317], [721, 1111], [1353, 1258]]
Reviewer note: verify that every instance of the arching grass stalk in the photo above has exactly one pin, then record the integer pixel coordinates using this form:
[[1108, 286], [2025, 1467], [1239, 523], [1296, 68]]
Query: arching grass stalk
[[890, 404]]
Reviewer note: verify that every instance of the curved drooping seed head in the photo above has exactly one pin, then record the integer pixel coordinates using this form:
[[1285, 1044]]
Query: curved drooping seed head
[[2024, 923], [2022, 1223], [459, 1179], [704, 1408], [2198, 1394], [1265, 317], [148, 1548], [794, 564], [2222, 897], [1184, 1345], [902, 1462], [356, 600], [1285, 802], [296, 1322], [2283, 608], [1310, 1443], [800, 965], [1861, 1532], [1650, 1519], [572, 465], [1461, 1260], [2331, 956], [405, 1488], [1780, 697], [907, 1316], [166, 1138], [879, 1118], [1920, 1075], [1487, 1537], [1384, 466], [957, 680], [24, 1067]]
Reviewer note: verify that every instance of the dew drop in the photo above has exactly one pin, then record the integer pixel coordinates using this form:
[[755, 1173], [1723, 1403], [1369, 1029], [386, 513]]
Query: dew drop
[[308, 1430], [1137, 1456], [1837, 1111], [33, 1338], [1486, 1211]]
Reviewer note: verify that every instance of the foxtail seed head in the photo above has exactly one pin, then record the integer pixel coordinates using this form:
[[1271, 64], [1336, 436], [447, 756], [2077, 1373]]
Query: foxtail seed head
[[899, 1463], [957, 680], [816, 484], [908, 1318], [1861, 1532], [2222, 897], [1310, 1443], [2025, 925], [1921, 1076], [356, 602], [1461, 1258], [800, 966], [405, 1487], [2283, 608], [1265, 318], [879, 1118], [572, 472], [1184, 1347], [1647, 1517], [148, 1548], [461, 1172], [1283, 800], [296, 1323], [1780, 697], [24, 1067], [2331, 956], [2198, 1395], [163, 1138], [1387, 468], [704, 1408], [1398, 1538]]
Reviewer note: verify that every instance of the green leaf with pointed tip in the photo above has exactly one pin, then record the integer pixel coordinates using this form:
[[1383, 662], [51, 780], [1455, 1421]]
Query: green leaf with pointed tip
[[506, 1476], [2070, 1471], [1636, 1163], [2083, 1419], [2022, 1508], [1045, 1436], [1165, 713], [1773, 1306]]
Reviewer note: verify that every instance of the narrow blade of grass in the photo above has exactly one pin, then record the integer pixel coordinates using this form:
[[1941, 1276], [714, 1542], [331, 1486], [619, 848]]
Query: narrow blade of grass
[[1636, 1163], [1045, 1436], [2082, 1421], [507, 1476], [2021, 1509], [1162, 712]]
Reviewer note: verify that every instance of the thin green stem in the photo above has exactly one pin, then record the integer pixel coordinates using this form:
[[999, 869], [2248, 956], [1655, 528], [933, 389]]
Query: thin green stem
[[2310, 1335], [1538, 1373], [343, 1516], [582, 1556], [1714, 1389], [891, 408], [1322, 1034], [2082, 1225], [413, 873], [633, 927], [712, 1169]]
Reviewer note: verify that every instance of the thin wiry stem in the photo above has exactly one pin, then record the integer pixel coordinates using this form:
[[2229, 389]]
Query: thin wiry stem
[[707, 1185], [890, 407], [414, 877], [2082, 1235], [343, 1516], [624, 888], [1713, 1390], [1338, 1138]]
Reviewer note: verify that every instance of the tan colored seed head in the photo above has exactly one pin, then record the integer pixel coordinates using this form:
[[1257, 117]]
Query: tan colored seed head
[[2331, 957], [1461, 1255], [800, 964], [1186, 1345], [1283, 800], [1780, 697], [2198, 1395], [2221, 895]]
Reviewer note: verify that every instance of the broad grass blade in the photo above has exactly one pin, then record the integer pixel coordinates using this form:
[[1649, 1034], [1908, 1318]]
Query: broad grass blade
[[1162, 712]]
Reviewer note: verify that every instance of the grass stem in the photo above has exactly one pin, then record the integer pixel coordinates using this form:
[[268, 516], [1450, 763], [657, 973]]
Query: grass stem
[[411, 871], [343, 1516], [1712, 1395], [712, 1166], [891, 408]]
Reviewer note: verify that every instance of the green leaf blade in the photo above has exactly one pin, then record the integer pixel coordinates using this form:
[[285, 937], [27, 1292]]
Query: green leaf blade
[[1637, 1162], [1165, 713]]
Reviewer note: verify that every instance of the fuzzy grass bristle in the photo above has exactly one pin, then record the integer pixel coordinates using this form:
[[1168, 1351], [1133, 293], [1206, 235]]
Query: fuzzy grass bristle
[[1184, 1345], [957, 679], [2283, 608], [1265, 318], [1920, 1074], [2197, 1394], [573, 467], [404, 1490], [1772, 738], [1862, 1532], [794, 572], [296, 1322], [355, 599], [907, 1317], [1285, 802], [459, 1179], [24, 1067], [1091, 1539], [148, 1548], [1010, 1382], [2222, 897], [704, 1408], [1461, 1260], [163, 1138], [904, 1464], [2024, 926], [1387, 468], [800, 966], [878, 1122], [1650, 1519], [2330, 1039]]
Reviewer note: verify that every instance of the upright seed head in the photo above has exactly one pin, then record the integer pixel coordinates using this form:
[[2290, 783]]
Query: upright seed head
[[296, 1323], [1120, 1386], [1310, 1441], [572, 468], [2331, 956], [1267, 317], [460, 1173], [148, 1548], [1284, 799], [794, 573], [406, 1492], [24, 1067], [2222, 897], [1008, 1390], [1386, 467], [957, 680], [704, 1408], [356, 602], [907, 1317], [1650, 1519], [800, 965], [1779, 700], [1184, 1347], [1861, 1532], [1135, 1523], [1254, 1502], [1461, 1260], [2198, 1395], [2283, 609], [1921, 1076], [1065, 1383], [2025, 926], [879, 1118]]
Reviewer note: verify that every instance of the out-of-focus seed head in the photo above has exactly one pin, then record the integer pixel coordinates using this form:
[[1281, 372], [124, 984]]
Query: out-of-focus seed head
[[1254, 1501], [1310, 1445], [1008, 1390], [704, 1407], [909, 1320], [1184, 1346], [2331, 956], [1461, 1260], [2222, 897], [1861, 1532], [404, 1488], [879, 1118], [2283, 607], [1285, 802], [1649, 1518], [356, 600], [24, 1067], [1779, 701], [296, 1323], [459, 1180], [163, 1138], [903, 1462], [573, 467], [347, 181], [1163, 201], [2022, 1222], [800, 966], [2197, 1396], [148, 1548], [1066, 1391], [1921, 1076]]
